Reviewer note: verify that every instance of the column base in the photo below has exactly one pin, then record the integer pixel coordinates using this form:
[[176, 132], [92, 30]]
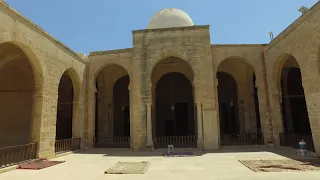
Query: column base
[[271, 145], [47, 155], [200, 145], [149, 147]]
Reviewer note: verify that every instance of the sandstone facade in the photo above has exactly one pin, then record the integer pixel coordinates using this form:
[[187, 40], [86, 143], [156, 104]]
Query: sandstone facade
[[188, 51]]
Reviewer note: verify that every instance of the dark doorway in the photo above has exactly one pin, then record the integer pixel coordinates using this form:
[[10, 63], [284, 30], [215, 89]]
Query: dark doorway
[[296, 120], [65, 108], [126, 119], [181, 119], [174, 106], [121, 108], [228, 104], [256, 104], [170, 127], [227, 115]]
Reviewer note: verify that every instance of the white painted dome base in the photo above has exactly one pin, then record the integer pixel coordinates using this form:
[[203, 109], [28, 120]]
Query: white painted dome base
[[170, 17]]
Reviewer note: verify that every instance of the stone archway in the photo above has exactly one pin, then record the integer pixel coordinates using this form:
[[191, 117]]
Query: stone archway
[[173, 116], [21, 82], [112, 113], [238, 103], [295, 118]]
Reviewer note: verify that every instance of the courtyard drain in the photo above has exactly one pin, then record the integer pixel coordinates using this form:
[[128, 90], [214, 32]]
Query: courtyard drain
[[128, 168]]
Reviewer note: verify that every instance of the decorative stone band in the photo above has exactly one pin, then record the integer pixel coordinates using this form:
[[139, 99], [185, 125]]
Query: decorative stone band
[[173, 29], [116, 51]]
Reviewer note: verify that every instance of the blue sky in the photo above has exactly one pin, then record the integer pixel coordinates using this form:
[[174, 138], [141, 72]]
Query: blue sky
[[94, 25]]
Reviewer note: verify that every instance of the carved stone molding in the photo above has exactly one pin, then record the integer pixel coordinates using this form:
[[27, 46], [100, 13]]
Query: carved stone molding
[[116, 51], [173, 29]]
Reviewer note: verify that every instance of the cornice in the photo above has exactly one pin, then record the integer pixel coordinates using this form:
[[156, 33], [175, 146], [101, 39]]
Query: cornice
[[173, 29], [109, 52], [237, 45]]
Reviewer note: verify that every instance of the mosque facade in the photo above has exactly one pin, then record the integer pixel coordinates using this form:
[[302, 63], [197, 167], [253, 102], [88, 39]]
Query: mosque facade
[[172, 87]]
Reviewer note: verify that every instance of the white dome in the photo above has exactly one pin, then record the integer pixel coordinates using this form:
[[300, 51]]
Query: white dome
[[170, 17]]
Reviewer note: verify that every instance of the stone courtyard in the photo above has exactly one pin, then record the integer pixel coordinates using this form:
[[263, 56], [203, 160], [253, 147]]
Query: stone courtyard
[[218, 165]]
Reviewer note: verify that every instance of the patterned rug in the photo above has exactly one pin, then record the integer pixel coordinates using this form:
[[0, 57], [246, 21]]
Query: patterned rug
[[178, 154], [282, 165], [128, 168], [38, 164]]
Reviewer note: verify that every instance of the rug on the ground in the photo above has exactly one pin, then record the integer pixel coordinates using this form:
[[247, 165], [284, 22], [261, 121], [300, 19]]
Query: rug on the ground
[[38, 164], [283, 165], [178, 154], [128, 168]]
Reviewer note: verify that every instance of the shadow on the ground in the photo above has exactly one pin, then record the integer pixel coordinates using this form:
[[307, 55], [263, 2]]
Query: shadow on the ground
[[278, 167], [126, 152]]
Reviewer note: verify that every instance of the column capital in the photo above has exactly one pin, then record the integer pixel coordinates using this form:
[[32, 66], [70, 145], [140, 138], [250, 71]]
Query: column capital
[[148, 104], [198, 103]]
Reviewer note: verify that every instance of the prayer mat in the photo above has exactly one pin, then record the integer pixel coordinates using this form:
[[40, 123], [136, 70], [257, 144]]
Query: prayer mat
[[128, 168], [38, 164], [178, 154], [282, 165]]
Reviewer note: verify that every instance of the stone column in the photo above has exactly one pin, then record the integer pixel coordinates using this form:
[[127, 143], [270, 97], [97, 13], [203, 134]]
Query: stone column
[[204, 93], [110, 121], [140, 93], [199, 125], [90, 122], [35, 130], [149, 126], [48, 126], [76, 124], [43, 126]]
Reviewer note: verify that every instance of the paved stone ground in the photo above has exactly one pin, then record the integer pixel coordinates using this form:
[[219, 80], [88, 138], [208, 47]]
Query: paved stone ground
[[219, 165]]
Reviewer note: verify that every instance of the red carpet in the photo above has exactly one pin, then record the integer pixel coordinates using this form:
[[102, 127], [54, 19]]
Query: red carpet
[[38, 164]]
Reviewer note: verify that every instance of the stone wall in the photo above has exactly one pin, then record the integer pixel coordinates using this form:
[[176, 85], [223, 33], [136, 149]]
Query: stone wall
[[191, 44], [241, 61], [49, 60], [106, 67], [301, 40]]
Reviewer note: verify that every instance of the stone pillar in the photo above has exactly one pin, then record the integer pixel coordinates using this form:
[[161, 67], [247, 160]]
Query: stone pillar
[[204, 93], [277, 120], [90, 122], [43, 127], [149, 126], [313, 104], [140, 93], [48, 127], [81, 118], [199, 125], [263, 111], [110, 121], [76, 124]]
